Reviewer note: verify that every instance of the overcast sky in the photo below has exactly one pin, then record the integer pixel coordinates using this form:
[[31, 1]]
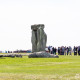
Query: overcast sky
[[60, 17]]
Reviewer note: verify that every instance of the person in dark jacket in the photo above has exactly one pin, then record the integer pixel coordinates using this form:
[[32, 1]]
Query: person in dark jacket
[[67, 50], [55, 50], [58, 50], [75, 50], [78, 50]]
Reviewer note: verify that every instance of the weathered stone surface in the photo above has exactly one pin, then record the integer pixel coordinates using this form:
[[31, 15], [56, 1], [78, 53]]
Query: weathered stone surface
[[39, 38], [42, 55]]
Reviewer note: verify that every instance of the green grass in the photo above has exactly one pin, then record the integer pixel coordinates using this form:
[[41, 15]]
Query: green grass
[[62, 68]]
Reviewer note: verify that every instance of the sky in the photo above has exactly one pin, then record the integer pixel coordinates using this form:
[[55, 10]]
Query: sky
[[60, 17]]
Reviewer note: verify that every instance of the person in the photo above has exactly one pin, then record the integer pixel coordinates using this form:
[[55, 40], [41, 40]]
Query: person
[[75, 50], [55, 50], [78, 50], [51, 49], [67, 50], [70, 50], [46, 49], [58, 50], [63, 50]]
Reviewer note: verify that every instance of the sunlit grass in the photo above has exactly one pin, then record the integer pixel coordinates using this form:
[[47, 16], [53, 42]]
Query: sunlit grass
[[62, 68]]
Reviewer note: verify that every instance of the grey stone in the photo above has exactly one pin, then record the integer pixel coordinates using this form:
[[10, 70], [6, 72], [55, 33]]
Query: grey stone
[[39, 38], [18, 55], [42, 54]]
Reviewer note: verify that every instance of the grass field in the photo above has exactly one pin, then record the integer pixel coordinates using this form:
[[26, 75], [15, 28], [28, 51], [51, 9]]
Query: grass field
[[62, 68]]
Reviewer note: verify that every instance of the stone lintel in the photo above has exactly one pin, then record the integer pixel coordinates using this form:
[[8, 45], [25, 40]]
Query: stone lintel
[[36, 26]]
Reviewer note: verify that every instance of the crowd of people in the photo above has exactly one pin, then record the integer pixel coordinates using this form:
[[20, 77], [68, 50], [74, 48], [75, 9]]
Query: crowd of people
[[63, 50]]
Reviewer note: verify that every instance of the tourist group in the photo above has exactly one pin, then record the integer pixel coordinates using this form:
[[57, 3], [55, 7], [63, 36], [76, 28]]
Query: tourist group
[[63, 50]]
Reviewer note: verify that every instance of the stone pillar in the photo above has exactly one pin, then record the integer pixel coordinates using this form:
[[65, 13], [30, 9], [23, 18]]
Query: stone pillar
[[39, 38]]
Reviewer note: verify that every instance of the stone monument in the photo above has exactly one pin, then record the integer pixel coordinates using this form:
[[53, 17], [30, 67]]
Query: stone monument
[[39, 39]]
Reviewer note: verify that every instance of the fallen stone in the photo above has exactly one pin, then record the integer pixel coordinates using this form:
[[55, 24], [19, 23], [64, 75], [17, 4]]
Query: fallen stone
[[42, 55]]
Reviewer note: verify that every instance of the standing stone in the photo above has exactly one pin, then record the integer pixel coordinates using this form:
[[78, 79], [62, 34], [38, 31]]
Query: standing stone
[[39, 38]]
